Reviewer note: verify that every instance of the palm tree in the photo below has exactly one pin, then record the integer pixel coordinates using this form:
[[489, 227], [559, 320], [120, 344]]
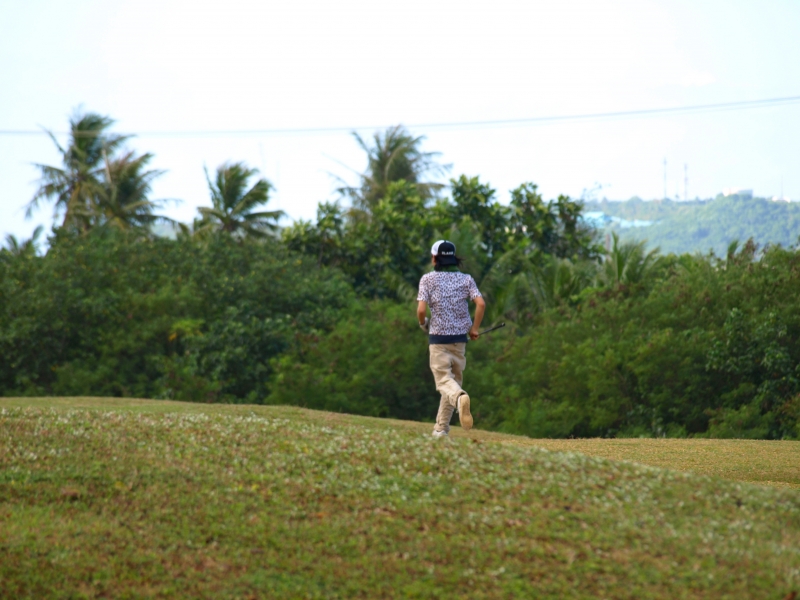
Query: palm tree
[[75, 184], [521, 284], [559, 280], [392, 156], [233, 203], [25, 247], [122, 200], [628, 263]]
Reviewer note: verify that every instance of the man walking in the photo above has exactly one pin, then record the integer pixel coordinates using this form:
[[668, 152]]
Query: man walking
[[447, 291]]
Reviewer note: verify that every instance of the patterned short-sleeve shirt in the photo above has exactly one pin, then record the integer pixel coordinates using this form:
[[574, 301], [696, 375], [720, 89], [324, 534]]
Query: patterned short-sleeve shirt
[[448, 294]]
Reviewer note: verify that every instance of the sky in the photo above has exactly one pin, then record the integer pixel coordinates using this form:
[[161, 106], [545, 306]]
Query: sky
[[165, 70]]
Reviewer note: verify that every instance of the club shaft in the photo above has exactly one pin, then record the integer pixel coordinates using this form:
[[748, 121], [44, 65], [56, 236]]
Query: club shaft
[[492, 328]]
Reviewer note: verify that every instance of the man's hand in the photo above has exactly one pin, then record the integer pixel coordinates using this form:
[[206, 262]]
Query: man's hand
[[473, 334], [426, 325]]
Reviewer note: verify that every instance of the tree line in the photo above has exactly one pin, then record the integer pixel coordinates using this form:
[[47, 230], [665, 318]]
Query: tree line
[[603, 341]]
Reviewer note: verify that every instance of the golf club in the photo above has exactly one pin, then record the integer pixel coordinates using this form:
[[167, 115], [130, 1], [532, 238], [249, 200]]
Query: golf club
[[491, 329]]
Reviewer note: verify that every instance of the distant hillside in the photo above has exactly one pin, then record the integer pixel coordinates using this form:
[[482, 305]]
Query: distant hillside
[[700, 226], [637, 209]]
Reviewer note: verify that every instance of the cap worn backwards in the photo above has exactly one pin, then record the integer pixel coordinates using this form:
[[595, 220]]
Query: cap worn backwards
[[445, 253]]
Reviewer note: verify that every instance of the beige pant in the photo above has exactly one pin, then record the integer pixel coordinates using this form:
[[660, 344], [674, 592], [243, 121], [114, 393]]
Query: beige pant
[[447, 364]]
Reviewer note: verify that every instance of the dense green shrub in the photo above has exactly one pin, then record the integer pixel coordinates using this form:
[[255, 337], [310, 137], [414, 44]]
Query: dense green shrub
[[701, 348], [711, 349], [374, 362], [110, 313]]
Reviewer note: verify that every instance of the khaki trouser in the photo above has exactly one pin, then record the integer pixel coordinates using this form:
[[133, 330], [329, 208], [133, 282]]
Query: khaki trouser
[[447, 364]]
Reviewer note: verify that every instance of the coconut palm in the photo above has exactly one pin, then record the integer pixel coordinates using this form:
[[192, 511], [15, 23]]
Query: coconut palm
[[233, 204], [521, 284], [559, 280], [392, 156], [122, 199], [24, 247], [628, 263], [75, 185]]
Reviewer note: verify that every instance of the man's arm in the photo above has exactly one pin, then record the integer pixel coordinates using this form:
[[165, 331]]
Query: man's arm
[[422, 313], [480, 308]]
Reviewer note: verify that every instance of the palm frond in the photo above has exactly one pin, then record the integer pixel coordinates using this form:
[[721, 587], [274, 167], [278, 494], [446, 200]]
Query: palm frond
[[233, 203], [392, 156], [272, 215]]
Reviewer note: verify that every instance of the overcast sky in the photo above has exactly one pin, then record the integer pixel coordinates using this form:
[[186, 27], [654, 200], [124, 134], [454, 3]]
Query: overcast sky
[[170, 66]]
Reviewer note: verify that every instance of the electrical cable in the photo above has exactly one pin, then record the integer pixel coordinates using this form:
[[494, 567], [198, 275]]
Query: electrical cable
[[649, 112]]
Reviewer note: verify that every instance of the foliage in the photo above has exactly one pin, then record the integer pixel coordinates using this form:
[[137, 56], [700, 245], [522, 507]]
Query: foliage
[[122, 200], [550, 227], [144, 499], [28, 247], [673, 346], [385, 254], [233, 204], [393, 156], [627, 264], [108, 314], [476, 202], [521, 285], [94, 187], [664, 357], [374, 362], [74, 185]]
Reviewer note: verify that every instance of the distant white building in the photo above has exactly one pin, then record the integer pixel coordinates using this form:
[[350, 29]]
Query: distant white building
[[781, 199], [746, 194]]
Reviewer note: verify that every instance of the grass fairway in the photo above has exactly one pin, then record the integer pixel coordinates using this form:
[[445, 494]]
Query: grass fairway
[[127, 498]]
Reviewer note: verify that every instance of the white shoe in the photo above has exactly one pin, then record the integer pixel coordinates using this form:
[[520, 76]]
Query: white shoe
[[439, 434], [463, 412]]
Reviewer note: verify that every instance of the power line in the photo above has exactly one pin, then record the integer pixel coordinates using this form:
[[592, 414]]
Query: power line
[[648, 112]]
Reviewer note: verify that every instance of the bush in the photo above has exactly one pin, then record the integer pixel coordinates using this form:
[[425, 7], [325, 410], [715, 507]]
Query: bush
[[711, 349], [705, 348], [113, 314], [374, 362]]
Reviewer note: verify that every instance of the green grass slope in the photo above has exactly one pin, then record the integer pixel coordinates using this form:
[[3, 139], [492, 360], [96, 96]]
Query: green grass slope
[[158, 499]]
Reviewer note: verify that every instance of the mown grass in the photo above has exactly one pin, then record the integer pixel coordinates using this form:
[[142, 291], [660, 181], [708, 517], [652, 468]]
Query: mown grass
[[102, 498]]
